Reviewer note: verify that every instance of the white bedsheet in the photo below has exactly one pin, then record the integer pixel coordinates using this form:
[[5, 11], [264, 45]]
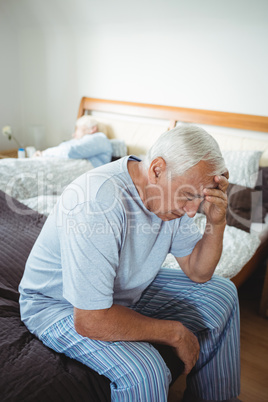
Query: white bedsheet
[[238, 248], [43, 203], [38, 182]]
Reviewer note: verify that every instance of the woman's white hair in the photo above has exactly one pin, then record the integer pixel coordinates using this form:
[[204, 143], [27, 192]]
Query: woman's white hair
[[183, 147], [86, 121]]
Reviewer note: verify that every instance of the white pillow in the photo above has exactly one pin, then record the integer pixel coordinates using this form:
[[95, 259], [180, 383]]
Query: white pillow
[[243, 166]]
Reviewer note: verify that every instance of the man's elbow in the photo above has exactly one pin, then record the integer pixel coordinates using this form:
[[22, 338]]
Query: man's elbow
[[89, 323], [81, 328], [200, 278]]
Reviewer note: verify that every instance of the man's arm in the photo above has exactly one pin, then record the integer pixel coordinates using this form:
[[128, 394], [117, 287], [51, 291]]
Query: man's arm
[[57, 151], [89, 146], [82, 248], [201, 263], [120, 323]]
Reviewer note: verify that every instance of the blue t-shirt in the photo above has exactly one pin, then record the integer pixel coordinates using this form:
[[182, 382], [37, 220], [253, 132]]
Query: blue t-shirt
[[96, 148], [99, 246]]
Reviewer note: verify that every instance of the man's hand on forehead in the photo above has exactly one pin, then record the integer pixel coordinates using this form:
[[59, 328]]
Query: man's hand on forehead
[[216, 199]]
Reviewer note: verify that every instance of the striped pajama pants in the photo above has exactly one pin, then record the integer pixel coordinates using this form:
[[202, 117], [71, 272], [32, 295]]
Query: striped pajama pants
[[137, 371]]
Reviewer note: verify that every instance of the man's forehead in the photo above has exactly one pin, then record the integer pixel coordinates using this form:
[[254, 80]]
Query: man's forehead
[[195, 188], [200, 180], [198, 194], [202, 172]]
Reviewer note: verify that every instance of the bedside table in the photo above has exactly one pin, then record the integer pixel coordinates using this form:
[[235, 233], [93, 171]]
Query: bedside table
[[9, 153]]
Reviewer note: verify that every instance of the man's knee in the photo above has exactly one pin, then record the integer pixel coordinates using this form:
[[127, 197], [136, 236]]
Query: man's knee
[[225, 289], [146, 373], [222, 300]]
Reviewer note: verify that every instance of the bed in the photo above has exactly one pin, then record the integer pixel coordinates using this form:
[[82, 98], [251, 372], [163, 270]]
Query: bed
[[30, 188]]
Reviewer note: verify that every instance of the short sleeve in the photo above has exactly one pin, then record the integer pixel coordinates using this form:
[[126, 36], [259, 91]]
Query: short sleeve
[[90, 242], [185, 238]]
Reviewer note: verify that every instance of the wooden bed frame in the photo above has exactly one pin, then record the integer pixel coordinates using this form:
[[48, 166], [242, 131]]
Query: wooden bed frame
[[175, 114]]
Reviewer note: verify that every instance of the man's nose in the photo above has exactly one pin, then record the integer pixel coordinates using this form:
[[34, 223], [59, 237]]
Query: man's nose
[[191, 207]]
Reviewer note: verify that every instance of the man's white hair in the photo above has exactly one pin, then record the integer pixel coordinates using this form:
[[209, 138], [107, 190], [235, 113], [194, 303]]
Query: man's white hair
[[86, 121], [183, 147]]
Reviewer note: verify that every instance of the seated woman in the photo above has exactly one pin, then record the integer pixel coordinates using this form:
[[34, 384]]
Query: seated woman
[[87, 143]]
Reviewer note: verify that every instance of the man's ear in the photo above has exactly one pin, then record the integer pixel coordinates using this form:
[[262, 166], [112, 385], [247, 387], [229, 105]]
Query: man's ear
[[156, 170]]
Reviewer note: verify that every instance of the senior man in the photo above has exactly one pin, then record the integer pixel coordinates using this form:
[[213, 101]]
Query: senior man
[[94, 288], [87, 143]]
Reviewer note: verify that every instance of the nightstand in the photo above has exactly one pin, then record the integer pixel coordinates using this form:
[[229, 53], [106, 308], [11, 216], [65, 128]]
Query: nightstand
[[9, 153]]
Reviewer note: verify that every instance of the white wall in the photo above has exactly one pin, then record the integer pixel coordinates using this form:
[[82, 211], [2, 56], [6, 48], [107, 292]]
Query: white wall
[[9, 80], [203, 54]]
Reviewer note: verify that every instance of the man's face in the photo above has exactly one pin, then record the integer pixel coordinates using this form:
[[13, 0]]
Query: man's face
[[172, 198]]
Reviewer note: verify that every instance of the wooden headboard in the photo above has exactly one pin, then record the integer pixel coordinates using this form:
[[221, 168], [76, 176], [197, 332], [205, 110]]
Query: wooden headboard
[[175, 114], [140, 124]]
